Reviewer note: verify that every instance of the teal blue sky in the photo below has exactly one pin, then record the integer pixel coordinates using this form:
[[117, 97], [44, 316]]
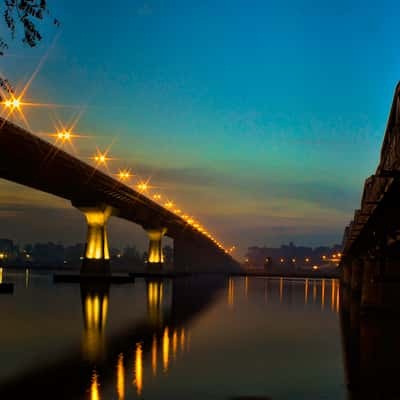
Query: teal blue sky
[[261, 118]]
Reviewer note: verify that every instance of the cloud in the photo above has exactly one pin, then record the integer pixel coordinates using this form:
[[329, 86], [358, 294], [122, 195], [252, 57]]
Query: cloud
[[248, 187]]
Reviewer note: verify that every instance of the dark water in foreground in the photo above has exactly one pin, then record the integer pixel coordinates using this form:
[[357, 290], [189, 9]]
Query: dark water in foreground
[[210, 338]]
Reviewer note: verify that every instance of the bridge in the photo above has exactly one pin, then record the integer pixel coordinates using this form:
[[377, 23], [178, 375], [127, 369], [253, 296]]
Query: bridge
[[31, 161], [371, 241]]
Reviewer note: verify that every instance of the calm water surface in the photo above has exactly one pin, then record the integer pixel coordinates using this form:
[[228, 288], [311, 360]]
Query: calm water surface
[[196, 338]]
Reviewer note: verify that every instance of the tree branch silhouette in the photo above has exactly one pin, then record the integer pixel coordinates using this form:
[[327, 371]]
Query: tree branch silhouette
[[25, 14]]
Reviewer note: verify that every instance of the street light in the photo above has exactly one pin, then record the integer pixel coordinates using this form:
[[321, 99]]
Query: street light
[[143, 187], [124, 174]]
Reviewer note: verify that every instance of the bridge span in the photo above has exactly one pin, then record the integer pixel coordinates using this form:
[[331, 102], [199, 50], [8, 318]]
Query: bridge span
[[31, 161], [371, 255]]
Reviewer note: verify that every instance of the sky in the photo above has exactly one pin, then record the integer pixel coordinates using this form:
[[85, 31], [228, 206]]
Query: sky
[[261, 119]]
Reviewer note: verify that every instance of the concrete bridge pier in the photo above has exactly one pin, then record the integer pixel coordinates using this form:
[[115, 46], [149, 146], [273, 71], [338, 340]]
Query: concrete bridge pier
[[155, 258], [387, 277], [96, 260], [356, 275], [346, 273], [371, 287]]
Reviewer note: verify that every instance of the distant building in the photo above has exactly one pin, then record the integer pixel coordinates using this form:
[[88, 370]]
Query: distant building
[[290, 256], [7, 246]]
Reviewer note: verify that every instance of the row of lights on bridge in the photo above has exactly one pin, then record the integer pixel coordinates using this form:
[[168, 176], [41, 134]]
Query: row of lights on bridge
[[64, 136], [336, 257]]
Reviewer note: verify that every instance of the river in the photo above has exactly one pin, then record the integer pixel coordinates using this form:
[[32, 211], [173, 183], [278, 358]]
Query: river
[[188, 338]]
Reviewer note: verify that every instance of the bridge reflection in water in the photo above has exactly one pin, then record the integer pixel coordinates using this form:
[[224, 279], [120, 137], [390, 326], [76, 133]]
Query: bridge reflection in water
[[164, 346], [371, 351]]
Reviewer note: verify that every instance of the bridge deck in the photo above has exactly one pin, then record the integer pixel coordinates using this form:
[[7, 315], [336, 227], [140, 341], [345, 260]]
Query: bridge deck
[[34, 162]]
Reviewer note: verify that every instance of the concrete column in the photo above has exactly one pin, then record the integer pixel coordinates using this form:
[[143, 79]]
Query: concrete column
[[155, 255], [96, 257], [346, 275], [370, 292], [356, 275]]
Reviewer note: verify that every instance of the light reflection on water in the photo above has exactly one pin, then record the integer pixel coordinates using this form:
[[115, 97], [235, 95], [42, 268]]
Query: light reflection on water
[[318, 287], [188, 338]]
